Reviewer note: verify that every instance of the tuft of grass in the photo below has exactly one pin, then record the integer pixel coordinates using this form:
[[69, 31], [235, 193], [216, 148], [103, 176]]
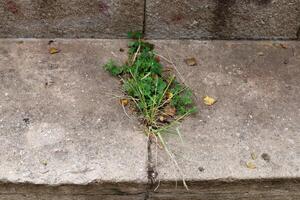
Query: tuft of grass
[[159, 98]]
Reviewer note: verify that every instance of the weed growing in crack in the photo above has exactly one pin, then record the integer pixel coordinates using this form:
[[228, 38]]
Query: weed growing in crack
[[158, 97]]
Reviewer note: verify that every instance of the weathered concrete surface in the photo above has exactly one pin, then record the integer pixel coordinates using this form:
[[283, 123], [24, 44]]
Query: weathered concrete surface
[[60, 122], [70, 19], [223, 19], [64, 136], [256, 119]]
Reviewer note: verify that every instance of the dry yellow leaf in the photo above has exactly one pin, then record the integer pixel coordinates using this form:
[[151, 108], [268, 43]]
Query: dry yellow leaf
[[169, 95], [250, 165], [53, 50], [209, 100], [124, 102]]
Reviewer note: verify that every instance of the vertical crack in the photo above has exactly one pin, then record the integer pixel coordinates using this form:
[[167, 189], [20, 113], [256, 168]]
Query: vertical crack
[[151, 172]]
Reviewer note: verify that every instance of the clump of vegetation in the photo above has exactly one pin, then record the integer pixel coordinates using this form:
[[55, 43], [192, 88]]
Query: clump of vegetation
[[160, 100]]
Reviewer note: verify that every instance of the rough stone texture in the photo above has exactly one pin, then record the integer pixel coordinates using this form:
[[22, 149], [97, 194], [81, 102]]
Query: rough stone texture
[[59, 121], [223, 19], [70, 19], [257, 113]]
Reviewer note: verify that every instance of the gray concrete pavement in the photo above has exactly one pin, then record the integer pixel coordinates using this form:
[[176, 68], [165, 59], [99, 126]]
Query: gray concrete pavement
[[60, 123], [253, 131]]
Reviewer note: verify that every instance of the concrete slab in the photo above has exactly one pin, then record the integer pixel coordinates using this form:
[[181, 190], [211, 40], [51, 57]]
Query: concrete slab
[[60, 122], [70, 19], [223, 19], [64, 136], [256, 120]]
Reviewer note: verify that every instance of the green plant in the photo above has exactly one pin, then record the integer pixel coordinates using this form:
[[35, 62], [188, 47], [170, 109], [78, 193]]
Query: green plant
[[161, 100]]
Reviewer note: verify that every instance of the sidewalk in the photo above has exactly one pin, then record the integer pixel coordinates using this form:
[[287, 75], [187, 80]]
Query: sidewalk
[[64, 135]]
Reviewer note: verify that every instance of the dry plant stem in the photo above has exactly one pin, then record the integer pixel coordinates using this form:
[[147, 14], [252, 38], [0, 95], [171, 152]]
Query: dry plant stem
[[135, 55], [172, 63], [173, 160], [125, 111]]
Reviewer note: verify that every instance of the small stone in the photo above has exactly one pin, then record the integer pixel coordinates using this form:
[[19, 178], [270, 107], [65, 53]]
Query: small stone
[[201, 169], [26, 120], [266, 157]]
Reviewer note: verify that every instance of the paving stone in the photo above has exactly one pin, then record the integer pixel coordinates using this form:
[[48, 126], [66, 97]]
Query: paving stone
[[60, 122], [223, 19], [70, 19], [256, 120]]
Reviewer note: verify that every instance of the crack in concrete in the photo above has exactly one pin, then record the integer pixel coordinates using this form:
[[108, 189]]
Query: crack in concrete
[[151, 172]]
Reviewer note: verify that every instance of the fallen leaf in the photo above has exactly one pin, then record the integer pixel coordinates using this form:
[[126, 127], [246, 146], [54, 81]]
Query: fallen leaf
[[250, 165], [53, 50], [170, 110], [157, 58], [44, 162], [169, 95], [191, 61], [124, 102], [209, 101], [253, 156], [261, 53], [283, 46], [162, 118]]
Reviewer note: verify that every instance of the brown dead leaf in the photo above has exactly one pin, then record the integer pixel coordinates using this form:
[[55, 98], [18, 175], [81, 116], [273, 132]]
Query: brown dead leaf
[[157, 58], [53, 50], [284, 46], [162, 118], [124, 102], [191, 61], [170, 110]]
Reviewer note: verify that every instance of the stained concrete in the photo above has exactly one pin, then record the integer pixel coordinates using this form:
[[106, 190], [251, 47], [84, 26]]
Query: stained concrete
[[64, 135], [255, 120], [70, 19], [223, 19], [60, 121]]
